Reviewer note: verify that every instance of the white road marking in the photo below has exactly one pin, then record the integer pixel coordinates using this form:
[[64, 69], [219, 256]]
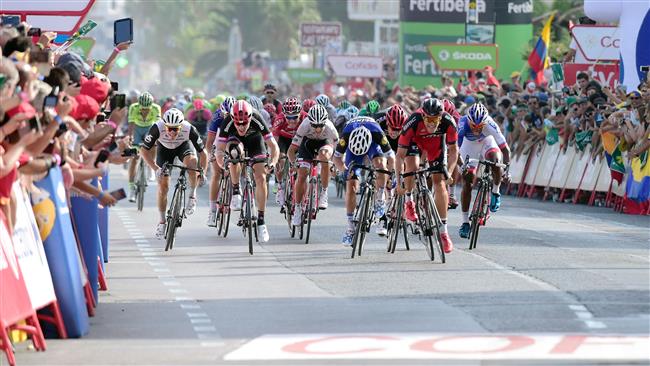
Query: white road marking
[[196, 315], [171, 283], [200, 321], [177, 290], [205, 328], [190, 306], [161, 270]]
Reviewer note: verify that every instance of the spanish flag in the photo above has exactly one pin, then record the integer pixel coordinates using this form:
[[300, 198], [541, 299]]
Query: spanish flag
[[538, 59]]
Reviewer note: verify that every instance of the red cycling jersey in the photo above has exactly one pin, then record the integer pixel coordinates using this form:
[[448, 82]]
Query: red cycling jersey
[[283, 127], [451, 109], [415, 132]]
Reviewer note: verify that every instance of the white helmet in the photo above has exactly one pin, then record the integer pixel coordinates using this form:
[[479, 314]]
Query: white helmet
[[256, 103], [360, 140], [323, 100], [173, 117], [317, 115]]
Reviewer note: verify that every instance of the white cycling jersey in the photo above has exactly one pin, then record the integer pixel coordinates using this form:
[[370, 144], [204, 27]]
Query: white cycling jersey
[[158, 133], [490, 128], [305, 130]]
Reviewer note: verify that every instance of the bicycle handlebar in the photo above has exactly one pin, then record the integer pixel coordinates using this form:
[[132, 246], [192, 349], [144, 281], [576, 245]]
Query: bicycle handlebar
[[488, 163], [370, 169], [245, 160], [418, 172], [181, 167]]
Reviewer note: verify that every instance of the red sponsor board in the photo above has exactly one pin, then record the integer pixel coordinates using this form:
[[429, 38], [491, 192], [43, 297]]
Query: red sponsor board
[[63, 17], [605, 74], [248, 73]]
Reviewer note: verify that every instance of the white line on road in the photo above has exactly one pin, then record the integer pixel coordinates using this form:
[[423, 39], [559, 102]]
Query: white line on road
[[196, 315], [161, 270], [205, 328], [190, 306], [200, 321], [171, 283]]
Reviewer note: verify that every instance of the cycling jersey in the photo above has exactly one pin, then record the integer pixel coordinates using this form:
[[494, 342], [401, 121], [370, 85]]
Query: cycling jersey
[[379, 144], [135, 115], [490, 128], [216, 121], [199, 119], [276, 103], [306, 131], [158, 133], [253, 139], [415, 132], [451, 109], [282, 126]]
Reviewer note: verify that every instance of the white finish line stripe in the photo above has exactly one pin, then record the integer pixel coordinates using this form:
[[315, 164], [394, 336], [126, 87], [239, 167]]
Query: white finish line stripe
[[445, 347]]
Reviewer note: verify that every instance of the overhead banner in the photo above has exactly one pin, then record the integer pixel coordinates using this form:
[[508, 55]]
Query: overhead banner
[[451, 56], [356, 66], [597, 42], [444, 11], [306, 76], [373, 9]]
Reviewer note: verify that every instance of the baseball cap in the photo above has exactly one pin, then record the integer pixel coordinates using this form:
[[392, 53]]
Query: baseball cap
[[571, 100], [95, 87], [530, 85], [87, 107], [470, 100], [515, 74]]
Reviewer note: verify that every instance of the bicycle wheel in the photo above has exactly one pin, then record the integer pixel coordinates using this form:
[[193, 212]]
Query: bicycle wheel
[[310, 207], [425, 224], [437, 224], [397, 224], [475, 218], [248, 218], [172, 218], [359, 219], [141, 185]]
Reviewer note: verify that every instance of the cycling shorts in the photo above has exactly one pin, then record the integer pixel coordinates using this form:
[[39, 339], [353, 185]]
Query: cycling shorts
[[139, 134], [309, 149], [254, 145], [165, 155], [284, 143], [478, 150], [351, 159]]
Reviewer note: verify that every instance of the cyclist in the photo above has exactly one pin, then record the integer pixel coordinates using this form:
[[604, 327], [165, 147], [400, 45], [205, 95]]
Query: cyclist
[[370, 109], [213, 130], [284, 129], [306, 106], [343, 105], [426, 128], [270, 93], [245, 126], [314, 139], [257, 104], [362, 138], [173, 135], [142, 115], [344, 116], [450, 108], [324, 100], [480, 137], [199, 116]]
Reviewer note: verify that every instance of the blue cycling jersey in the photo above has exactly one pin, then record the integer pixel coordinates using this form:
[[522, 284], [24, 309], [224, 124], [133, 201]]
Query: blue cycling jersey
[[215, 122]]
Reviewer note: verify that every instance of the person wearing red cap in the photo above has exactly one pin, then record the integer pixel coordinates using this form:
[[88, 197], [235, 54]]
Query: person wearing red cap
[[96, 87]]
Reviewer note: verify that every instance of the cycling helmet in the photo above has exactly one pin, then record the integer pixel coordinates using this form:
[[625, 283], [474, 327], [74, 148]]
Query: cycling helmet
[[317, 115], [307, 104], [242, 96], [218, 99], [199, 95], [448, 106], [344, 104], [198, 104], [432, 106], [372, 107], [134, 94], [351, 112], [360, 140], [291, 107], [270, 87], [323, 100], [242, 112], [145, 100], [396, 117], [226, 106], [173, 117], [476, 115], [255, 102], [188, 92]]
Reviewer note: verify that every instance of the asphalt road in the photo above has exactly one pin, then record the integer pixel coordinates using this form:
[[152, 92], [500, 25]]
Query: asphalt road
[[548, 283]]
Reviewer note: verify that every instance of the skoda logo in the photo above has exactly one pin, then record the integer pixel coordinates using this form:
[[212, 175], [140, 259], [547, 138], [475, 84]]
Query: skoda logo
[[443, 55]]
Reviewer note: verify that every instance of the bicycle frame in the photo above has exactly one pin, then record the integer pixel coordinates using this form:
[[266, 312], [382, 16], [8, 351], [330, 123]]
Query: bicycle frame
[[176, 211], [480, 208]]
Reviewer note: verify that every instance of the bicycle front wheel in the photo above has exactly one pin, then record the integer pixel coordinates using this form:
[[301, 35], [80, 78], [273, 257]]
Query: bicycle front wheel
[[475, 218], [172, 218], [248, 219], [141, 185], [310, 208], [437, 224], [360, 217]]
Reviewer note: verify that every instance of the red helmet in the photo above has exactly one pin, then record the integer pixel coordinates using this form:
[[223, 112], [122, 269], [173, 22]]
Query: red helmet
[[270, 109], [241, 112], [307, 104], [448, 106], [396, 117], [291, 107]]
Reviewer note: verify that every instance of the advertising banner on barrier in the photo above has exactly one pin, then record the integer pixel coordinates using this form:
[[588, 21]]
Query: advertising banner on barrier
[[30, 253], [53, 217], [356, 66], [597, 42], [14, 302], [451, 56], [373, 9], [605, 74]]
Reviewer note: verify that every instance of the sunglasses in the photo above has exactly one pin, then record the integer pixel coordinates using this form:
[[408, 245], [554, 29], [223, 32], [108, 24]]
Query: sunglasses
[[269, 92], [430, 120], [292, 118], [635, 98], [172, 129], [317, 126]]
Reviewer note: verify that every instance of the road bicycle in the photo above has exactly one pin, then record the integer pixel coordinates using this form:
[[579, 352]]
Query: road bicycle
[[224, 196], [311, 200], [429, 221], [176, 211], [481, 206], [364, 214], [140, 182], [248, 213], [395, 223]]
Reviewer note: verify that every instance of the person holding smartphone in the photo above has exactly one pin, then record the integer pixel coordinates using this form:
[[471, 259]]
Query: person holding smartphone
[[142, 115]]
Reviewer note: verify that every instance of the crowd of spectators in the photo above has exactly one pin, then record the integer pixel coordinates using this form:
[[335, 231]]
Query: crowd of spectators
[[55, 110]]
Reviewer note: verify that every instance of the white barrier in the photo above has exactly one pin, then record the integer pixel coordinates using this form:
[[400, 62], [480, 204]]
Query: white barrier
[[590, 176], [517, 166], [546, 165], [604, 177], [562, 169], [579, 166], [532, 165]]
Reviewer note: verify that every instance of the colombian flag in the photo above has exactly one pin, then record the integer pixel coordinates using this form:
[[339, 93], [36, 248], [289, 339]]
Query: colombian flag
[[538, 59]]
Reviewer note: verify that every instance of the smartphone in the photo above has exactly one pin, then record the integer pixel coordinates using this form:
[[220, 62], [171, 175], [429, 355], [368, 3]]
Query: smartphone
[[101, 117], [123, 31], [40, 56], [3, 79], [118, 194], [34, 32], [115, 86], [102, 157], [35, 124], [50, 101], [130, 152], [118, 101], [10, 20]]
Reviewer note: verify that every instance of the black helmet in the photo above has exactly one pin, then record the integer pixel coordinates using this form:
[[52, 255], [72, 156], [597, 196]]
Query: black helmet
[[432, 106]]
